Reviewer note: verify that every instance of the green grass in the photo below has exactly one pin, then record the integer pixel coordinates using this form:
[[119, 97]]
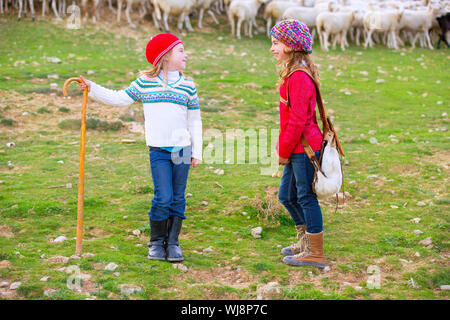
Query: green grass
[[237, 91]]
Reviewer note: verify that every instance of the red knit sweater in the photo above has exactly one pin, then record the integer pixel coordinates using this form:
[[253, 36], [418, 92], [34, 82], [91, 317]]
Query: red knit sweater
[[300, 118]]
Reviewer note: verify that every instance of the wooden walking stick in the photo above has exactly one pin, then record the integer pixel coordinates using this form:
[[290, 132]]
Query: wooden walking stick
[[81, 164]]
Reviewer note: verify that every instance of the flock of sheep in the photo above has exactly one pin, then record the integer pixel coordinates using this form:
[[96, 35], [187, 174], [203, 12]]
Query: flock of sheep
[[391, 22]]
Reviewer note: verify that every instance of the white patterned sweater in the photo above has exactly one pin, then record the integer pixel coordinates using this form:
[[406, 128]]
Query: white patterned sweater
[[171, 112]]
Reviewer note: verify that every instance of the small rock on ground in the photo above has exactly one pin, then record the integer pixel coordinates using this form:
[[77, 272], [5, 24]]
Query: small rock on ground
[[15, 285], [180, 266], [426, 242], [60, 239], [129, 289], [256, 232], [269, 291], [111, 266]]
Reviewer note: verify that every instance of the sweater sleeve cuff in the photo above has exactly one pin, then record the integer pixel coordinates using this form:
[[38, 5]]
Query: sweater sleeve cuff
[[197, 155], [284, 155]]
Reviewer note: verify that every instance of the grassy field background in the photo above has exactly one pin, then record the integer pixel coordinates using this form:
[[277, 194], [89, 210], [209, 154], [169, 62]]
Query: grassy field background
[[390, 108]]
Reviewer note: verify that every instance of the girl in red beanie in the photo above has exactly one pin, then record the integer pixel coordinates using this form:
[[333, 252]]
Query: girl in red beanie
[[173, 132]]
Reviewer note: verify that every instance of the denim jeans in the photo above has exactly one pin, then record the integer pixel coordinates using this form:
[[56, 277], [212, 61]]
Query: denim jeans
[[296, 194], [170, 175]]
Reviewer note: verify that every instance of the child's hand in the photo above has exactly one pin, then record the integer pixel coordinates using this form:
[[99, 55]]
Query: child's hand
[[84, 86], [283, 161], [195, 162]]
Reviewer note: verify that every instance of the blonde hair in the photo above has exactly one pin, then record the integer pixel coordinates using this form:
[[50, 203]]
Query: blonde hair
[[294, 61], [156, 70]]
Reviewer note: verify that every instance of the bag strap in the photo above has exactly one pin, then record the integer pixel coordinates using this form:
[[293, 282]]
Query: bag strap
[[318, 96]]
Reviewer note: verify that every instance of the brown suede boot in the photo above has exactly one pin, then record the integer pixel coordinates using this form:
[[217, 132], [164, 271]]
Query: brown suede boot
[[313, 256], [298, 247]]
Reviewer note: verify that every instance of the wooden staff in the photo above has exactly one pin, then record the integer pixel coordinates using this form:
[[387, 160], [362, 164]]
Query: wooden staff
[[81, 164]]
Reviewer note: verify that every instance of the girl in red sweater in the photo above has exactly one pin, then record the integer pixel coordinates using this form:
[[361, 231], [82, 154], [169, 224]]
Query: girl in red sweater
[[291, 46]]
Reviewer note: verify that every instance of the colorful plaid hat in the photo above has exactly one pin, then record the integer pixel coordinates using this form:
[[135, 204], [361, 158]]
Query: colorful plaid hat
[[294, 34]]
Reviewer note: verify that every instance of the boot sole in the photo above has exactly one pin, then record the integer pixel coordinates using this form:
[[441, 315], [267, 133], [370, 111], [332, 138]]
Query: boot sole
[[303, 263], [156, 258], [290, 253], [175, 259]]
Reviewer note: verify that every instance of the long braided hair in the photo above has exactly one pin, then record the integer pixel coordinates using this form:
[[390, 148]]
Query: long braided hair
[[296, 59]]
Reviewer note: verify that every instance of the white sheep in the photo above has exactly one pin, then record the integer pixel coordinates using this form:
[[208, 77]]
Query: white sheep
[[182, 8], [143, 9], [94, 12], [53, 5], [203, 5], [308, 15], [275, 10], [244, 11], [334, 23], [419, 22], [21, 7], [357, 27], [382, 21]]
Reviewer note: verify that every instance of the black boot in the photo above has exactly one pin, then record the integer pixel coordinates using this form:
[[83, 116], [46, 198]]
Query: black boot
[[174, 252], [158, 236]]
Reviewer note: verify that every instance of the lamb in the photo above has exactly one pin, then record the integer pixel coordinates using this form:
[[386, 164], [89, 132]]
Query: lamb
[[419, 22], [94, 13], [205, 5], [382, 21], [55, 11], [128, 9], [308, 15], [245, 11], [308, 3], [334, 23], [357, 27], [31, 7], [275, 10], [179, 7]]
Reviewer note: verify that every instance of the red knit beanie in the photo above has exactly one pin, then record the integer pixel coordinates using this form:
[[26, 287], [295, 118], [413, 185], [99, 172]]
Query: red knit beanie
[[159, 45]]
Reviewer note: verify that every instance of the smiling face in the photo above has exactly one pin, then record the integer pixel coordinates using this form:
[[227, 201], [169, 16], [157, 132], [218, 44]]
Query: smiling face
[[177, 57], [279, 49]]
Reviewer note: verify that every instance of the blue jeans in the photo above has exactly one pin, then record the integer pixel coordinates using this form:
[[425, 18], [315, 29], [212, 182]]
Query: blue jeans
[[296, 194], [169, 174]]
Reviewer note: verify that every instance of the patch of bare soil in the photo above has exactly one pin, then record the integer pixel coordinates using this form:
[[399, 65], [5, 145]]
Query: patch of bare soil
[[96, 233], [234, 278], [14, 168], [440, 158], [406, 170], [24, 111], [6, 231], [354, 278], [298, 275]]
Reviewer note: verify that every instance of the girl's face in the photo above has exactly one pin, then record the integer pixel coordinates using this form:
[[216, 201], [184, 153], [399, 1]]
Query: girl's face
[[278, 50], [177, 58]]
